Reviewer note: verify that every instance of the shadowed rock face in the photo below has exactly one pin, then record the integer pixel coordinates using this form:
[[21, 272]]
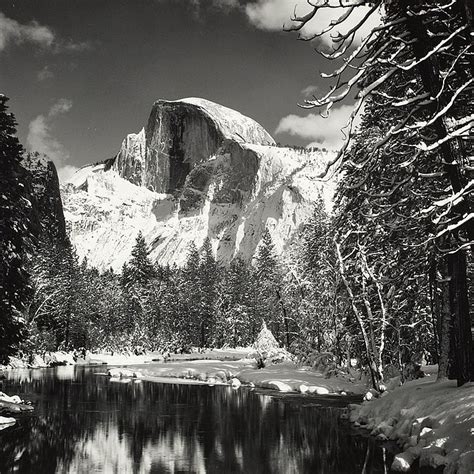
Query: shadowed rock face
[[179, 135], [46, 205], [236, 168]]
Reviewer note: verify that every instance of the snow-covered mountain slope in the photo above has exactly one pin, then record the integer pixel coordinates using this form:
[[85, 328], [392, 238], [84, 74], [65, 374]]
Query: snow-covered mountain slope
[[197, 170]]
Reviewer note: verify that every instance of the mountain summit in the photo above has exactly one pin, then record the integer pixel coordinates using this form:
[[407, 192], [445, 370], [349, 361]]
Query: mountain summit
[[196, 170]]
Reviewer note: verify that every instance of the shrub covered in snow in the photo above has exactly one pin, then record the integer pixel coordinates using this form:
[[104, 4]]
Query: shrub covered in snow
[[266, 348]]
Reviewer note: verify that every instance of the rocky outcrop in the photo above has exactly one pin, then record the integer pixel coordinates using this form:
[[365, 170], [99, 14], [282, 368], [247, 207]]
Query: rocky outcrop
[[197, 170], [47, 214], [179, 135], [130, 162]]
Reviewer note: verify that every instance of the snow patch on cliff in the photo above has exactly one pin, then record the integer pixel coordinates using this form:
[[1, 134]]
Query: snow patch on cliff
[[104, 214]]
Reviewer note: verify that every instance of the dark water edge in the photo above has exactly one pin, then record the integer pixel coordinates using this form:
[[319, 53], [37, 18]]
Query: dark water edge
[[87, 423]]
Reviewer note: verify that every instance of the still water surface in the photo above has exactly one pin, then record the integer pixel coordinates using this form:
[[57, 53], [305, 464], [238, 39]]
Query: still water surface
[[87, 423]]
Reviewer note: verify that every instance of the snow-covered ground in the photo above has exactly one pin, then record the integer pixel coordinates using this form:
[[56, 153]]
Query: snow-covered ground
[[431, 421], [285, 377]]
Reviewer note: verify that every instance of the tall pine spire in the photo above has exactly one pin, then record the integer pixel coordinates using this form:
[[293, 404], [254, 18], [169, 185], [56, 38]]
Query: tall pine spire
[[14, 233]]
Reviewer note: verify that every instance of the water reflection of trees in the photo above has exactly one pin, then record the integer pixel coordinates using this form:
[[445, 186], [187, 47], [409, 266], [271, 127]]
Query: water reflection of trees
[[88, 423]]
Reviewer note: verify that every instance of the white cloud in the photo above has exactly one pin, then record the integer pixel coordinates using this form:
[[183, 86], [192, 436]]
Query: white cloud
[[40, 138], [60, 107], [320, 131], [45, 74], [14, 33], [274, 15], [310, 91], [270, 14]]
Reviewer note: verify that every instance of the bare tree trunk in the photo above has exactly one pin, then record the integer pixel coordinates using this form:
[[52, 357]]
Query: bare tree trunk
[[370, 318], [459, 302], [358, 315], [348, 353], [399, 350], [383, 310], [434, 304], [445, 318]]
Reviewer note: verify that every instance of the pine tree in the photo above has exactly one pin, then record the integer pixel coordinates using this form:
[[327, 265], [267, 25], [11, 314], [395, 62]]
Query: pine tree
[[235, 325], [208, 282], [59, 305], [14, 234], [190, 296], [315, 283], [268, 305], [140, 266], [175, 323], [136, 280], [110, 323]]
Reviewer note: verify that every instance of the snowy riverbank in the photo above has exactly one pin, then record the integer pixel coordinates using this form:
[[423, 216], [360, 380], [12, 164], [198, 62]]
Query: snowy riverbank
[[433, 422], [285, 377]]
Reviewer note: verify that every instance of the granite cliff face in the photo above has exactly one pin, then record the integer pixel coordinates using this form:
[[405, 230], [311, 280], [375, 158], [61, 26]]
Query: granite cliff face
[[179, 135], [196, 170], [47, 214], [130, 162]]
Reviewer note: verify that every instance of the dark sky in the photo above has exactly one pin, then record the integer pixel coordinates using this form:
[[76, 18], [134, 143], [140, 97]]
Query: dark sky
[[109, 60]]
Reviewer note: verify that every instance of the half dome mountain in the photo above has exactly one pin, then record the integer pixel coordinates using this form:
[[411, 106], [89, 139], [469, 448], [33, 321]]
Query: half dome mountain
[[196, 170]]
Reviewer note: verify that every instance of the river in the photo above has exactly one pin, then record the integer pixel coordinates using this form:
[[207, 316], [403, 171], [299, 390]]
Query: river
[[85, 422]]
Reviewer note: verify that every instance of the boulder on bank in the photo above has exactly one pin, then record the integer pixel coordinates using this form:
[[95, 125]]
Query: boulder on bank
[[266, 349], [36, 362], [6, 421], [123, 373], [235, 383], [281, 386], [318, 390], [54, 359], [13, 399], [12, 405]]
